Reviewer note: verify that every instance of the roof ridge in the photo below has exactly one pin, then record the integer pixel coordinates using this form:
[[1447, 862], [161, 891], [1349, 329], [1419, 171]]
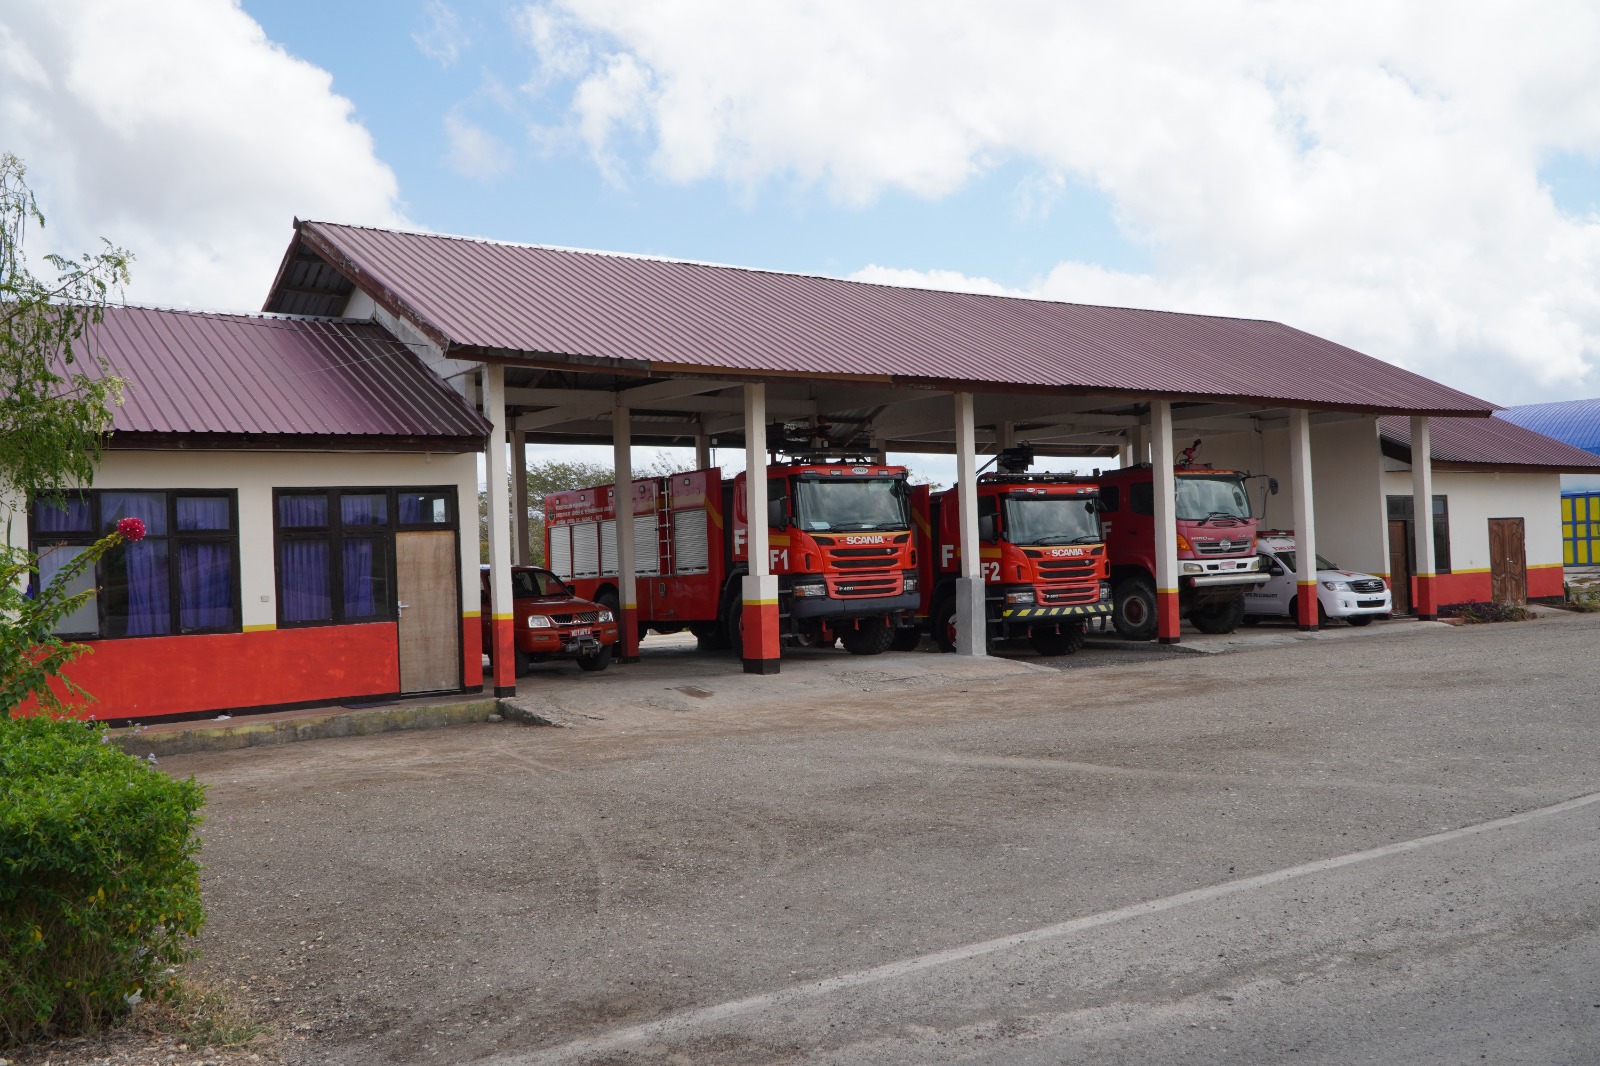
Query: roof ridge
[[259, 315], [712, 265]]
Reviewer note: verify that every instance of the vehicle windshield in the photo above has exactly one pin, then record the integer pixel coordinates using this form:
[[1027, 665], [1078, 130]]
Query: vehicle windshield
[[528, 583], [1200, 498], [853, 505], [1050, 520], [1287, 560]]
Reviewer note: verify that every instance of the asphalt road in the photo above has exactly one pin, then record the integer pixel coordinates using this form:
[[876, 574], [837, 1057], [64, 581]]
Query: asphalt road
[[1377, 849]]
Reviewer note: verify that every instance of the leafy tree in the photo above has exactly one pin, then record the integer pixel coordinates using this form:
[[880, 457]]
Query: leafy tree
[[55, 412]]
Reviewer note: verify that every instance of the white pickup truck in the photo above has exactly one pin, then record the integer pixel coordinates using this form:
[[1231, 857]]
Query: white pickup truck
[[1345, 594]]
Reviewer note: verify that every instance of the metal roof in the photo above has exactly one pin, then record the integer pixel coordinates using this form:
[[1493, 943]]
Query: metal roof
[[1575, 422], [1489, 442], [562, 307], [250, 376]]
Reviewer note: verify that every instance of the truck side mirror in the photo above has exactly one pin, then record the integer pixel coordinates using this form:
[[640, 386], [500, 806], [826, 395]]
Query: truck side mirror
[[777, 516], [1091, 506], [987, 528]]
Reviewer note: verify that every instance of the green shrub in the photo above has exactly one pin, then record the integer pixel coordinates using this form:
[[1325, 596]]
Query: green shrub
[[1583, 598], [1485, 611], [99, 887]]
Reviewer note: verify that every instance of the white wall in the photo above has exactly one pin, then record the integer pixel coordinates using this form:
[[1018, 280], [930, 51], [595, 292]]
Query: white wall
[[256, 474], [1474, 498]]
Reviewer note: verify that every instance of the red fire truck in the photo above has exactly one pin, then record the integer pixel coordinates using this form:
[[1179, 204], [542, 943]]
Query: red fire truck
[[1042, 560], [1217, 560], [839, 543]]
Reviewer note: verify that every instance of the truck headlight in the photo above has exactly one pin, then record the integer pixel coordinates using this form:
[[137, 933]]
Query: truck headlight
[[1019, 598], [911, 583], [1255, 563], [1337, 586], [1193, 568], [604, 615], [814, 589], [540, 621]]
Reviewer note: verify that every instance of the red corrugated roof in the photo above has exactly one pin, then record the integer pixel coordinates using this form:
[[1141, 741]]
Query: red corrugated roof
[[190, 372], [1491, 442], [666, 315]]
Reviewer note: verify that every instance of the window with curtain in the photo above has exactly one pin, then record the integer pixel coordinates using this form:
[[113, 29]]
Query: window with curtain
[[183, 577], [335, 549]]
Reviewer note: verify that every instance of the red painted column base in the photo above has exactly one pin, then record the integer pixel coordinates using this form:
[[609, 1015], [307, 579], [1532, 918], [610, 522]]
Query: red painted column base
[[1426, 603], [1168, 620], [761, 640], [627, 650], [505, 657], [1306, 607]]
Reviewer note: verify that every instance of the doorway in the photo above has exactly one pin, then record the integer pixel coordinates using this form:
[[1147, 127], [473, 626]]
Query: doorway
[[427, 573], [1508, 561], [1400, 566]]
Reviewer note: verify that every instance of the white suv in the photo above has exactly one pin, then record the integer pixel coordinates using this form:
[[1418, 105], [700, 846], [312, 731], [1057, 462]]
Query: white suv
[[1356, 598]]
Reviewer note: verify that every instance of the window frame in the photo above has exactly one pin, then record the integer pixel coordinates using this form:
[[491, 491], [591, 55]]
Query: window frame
[[173, 538], [1402, 508], [334, 534]]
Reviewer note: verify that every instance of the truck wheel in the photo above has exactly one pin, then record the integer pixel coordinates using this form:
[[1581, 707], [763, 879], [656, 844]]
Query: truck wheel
[[735, 616], [943, 626], [871, 637], [709, 635], [521, 663], [1050, 642], [1133, 608], [906, 639], [1221, 617], [607, 598], [598, 661]]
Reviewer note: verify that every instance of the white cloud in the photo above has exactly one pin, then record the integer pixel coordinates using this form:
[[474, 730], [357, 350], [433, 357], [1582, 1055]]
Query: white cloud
[[443, 39], [474, 152], [1366, 171], [176, 129]]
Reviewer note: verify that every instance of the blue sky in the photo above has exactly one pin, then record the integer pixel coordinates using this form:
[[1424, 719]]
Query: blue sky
[[1423, 188]]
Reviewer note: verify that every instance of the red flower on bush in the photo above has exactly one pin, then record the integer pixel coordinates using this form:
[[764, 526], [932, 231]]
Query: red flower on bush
[[131, 528]]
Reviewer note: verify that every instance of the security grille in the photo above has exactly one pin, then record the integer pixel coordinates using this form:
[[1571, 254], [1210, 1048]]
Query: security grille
[[585, 550], [646, 546], [691, 546], [560, 560], [608, 547]]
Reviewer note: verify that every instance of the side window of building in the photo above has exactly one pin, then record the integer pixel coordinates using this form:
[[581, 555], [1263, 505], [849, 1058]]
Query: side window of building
[[1400, 509], [335, 550], [183, 577], [1142, 498]]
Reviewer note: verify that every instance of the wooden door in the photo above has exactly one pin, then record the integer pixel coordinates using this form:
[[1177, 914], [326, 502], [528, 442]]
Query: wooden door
[[427, 572], [1400, 566], [1508, 561]]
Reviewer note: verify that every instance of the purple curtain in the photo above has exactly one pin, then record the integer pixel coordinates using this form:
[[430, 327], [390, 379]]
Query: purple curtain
[[69, 514], [148, 507], [364, 510], [148, 607], [301, 512], [303, 567], [421, 509], [205, 584], [203, 512], [364, 578]]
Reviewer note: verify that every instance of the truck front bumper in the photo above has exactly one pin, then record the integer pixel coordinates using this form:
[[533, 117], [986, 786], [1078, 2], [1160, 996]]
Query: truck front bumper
[[838, 607], [1081, 610], [1238, 577]]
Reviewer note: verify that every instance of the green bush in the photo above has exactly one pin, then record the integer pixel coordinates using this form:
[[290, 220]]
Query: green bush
[[99, 887]]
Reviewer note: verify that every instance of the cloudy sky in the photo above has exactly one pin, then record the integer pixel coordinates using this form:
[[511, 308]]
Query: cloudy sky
[[1420, 181]]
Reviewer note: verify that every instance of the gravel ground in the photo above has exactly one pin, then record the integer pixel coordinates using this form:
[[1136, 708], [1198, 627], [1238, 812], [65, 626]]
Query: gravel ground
[[495, 889]]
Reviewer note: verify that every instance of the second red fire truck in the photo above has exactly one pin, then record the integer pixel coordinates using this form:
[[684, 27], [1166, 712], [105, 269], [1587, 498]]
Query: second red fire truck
[[839, 543]]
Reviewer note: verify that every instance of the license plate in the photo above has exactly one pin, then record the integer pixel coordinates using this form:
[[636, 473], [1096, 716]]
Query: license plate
[[581, 631]]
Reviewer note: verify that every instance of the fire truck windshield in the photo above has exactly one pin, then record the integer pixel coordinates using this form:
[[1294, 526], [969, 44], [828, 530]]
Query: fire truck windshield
[[1202, 498], [1050, 520], [853, 505]]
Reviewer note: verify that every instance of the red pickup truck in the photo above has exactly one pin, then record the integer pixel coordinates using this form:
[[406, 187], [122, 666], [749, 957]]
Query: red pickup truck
[[551, 623]]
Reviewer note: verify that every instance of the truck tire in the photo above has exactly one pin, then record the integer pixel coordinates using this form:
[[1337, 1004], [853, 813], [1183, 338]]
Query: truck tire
[[733, 615], [1221, 617], [709, 636], [1051, 643], [871, 636], [1133, 608], [521, 663], [907, 639], [943, 625]]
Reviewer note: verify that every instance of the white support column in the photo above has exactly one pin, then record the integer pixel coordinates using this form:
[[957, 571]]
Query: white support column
[[1005, 435], [498, 504], [759, 643], [1165, 487], [523, 553], [1141, 440], [1305, 530], [1425, 603], [972, 624], [627, 580], [702, 448]]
